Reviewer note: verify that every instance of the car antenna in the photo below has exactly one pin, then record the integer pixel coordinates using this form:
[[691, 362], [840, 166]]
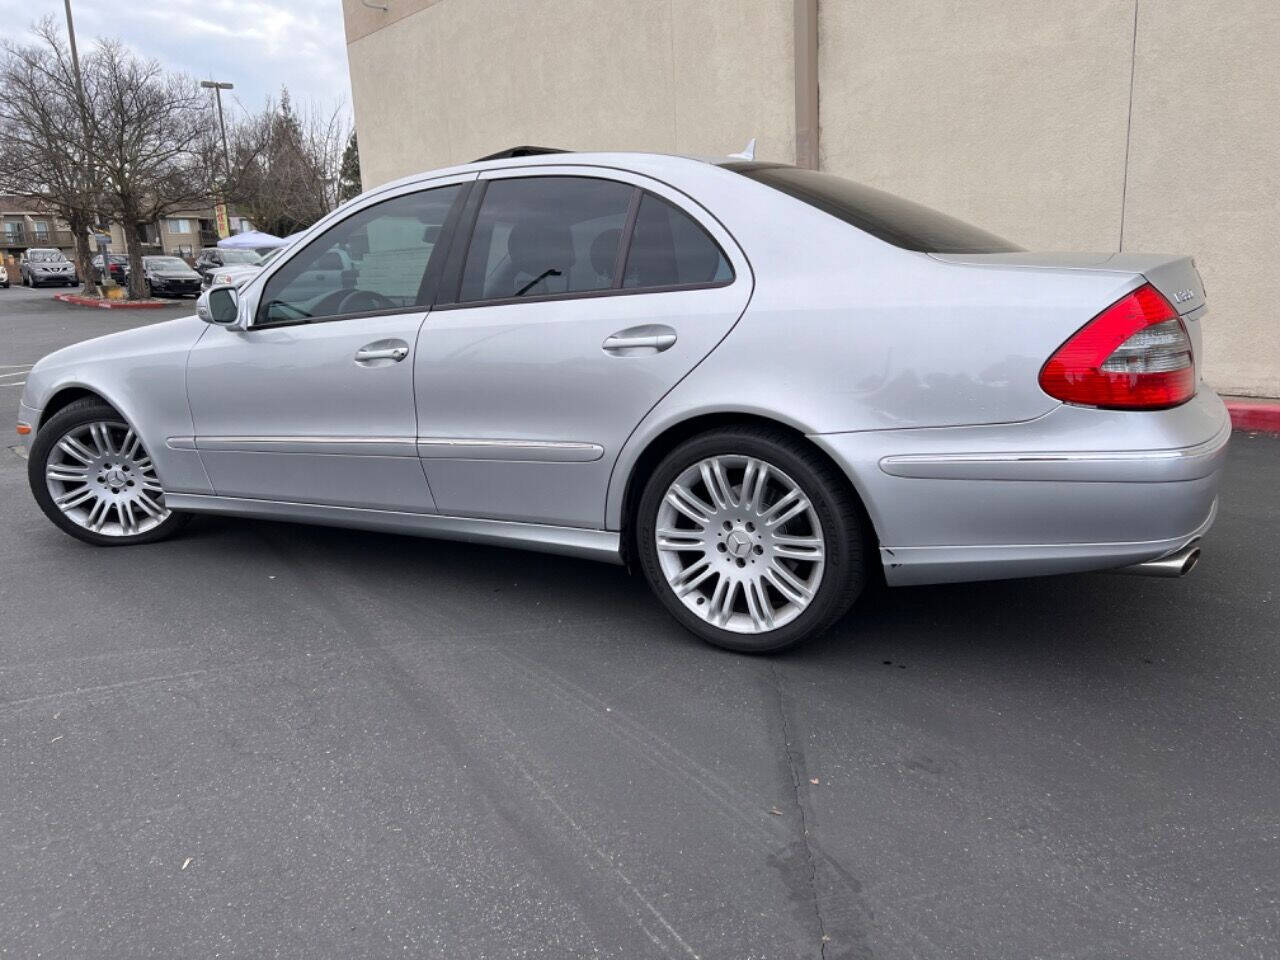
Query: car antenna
[[748, 152]]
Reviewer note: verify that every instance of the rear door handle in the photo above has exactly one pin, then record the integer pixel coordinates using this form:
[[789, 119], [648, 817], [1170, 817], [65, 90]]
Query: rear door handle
[[382, 352], [640, 341]]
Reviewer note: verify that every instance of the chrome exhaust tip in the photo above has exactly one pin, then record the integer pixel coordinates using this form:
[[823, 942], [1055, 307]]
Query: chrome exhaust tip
[[1176, 564]]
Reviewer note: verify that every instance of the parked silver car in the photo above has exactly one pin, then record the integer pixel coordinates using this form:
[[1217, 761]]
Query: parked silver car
[[760, 385], [42, 267]]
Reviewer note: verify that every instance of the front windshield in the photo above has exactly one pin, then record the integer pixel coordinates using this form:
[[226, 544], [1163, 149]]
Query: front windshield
[[241, 256], [46, 256], [165, 263]]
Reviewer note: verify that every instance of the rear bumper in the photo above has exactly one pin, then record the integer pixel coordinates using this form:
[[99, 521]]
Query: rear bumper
[[1077, 489]]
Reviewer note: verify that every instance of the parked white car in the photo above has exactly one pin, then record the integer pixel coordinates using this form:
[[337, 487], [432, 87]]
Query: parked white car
[[238, 274]]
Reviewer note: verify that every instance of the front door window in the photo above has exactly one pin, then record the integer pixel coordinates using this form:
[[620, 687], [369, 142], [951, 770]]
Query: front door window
[[374, 261]]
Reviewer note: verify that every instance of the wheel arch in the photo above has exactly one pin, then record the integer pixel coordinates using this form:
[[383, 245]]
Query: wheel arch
[[65, 396], [671, 436]]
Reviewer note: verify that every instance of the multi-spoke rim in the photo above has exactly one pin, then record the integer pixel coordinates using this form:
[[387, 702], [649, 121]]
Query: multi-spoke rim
[[101, 478], [740, 544]]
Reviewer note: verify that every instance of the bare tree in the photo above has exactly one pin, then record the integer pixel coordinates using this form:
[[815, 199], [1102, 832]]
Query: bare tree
[[147, 126], [286, 164], [43, 154]]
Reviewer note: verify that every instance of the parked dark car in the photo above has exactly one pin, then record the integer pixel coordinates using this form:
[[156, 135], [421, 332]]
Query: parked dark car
[[119, 266], [46, 266], [211, 258], [170, 277]]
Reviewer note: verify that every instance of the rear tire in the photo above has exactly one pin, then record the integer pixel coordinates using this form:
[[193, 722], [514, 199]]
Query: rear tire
[[92, 476], [750, 539]]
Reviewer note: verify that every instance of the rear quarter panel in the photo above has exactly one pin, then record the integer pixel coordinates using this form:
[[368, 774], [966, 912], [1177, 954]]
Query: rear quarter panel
[[847, 333]]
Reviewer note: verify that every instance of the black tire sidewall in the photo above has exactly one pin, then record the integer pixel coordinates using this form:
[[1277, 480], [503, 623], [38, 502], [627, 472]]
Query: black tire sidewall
[[842, 576], [76, 414]]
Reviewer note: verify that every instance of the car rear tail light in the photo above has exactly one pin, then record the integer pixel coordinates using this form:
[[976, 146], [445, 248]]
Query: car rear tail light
[[1135, 355]]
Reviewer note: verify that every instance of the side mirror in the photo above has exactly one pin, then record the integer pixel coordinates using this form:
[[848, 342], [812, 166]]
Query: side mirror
[[220, 305]]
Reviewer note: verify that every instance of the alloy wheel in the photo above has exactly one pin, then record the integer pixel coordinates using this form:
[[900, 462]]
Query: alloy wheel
[[101, 478], [740, 544]]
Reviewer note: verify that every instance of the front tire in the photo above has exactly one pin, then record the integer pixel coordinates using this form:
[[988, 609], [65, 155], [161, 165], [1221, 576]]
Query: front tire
[[751, 539], [92, 476]]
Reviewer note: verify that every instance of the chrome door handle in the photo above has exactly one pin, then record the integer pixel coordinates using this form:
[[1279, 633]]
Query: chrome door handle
[[392, 350], [640, 341]]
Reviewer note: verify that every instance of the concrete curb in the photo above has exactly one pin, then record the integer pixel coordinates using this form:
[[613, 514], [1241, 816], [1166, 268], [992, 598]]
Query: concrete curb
[[1260, 416], [80, 301]]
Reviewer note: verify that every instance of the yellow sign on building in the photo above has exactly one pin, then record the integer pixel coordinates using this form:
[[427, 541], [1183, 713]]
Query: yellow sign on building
[[224, 224]]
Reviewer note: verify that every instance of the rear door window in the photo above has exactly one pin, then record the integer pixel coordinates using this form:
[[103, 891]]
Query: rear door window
[[543, 236], [669, 249]]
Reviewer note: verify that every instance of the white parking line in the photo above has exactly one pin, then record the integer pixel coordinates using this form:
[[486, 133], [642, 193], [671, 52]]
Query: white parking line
[[18, 384], [10, 366], [15, 373]]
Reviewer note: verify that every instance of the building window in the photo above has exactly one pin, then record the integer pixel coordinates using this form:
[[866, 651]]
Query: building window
[[42, 230], [179, 225]]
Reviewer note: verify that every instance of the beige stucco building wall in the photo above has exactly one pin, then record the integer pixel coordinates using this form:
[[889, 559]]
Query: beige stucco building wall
[[1151, 125]]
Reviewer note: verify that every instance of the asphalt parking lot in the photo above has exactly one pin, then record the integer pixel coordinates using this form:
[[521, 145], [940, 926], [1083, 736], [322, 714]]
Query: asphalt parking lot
[[267, 740]]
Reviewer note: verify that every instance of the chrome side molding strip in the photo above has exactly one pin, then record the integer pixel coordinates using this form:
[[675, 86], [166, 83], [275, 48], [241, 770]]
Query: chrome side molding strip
[[602, 545], [1181, 463], [466, 448], [428, 448]]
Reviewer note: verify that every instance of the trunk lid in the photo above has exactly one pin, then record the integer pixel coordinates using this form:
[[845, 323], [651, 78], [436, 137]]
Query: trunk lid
[[1175, 276]]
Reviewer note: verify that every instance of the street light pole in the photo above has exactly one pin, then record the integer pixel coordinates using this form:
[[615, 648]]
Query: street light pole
[[217, 88], [88, 142]]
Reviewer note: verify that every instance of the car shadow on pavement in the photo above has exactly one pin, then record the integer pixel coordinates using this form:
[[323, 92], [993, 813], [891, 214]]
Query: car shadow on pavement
[[1049, 619]]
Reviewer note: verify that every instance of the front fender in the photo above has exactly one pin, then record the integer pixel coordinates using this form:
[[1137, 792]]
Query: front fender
[[142, 374]]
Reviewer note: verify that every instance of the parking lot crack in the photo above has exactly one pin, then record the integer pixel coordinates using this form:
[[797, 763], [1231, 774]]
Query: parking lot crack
[[795, 762]]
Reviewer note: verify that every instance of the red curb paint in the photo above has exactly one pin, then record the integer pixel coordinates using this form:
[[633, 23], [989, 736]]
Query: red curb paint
[[1262, 416], [110, 304]]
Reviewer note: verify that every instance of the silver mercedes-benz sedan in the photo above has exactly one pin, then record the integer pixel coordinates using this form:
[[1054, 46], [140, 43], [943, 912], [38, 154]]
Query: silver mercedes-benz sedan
[[762, 386]]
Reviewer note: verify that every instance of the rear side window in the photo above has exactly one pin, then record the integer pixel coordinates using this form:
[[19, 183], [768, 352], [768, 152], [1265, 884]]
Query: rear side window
[[668, 249], [540, 236], [902, 223]]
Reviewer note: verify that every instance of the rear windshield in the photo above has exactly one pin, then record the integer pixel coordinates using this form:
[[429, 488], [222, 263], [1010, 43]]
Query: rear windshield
[[889, 218]]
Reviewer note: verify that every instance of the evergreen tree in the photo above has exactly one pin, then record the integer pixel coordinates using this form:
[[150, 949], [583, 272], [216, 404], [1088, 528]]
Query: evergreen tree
[[349, 173]]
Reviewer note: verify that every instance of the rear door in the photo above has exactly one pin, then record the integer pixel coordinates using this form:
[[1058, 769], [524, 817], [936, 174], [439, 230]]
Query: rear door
[[582, 297]]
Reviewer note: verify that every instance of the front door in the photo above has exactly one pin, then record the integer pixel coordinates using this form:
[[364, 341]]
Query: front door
[[313, 403], [581, 302]]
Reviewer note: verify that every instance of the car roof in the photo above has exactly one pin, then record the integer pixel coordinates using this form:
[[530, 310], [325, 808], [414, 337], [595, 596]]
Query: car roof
[[637, 161]]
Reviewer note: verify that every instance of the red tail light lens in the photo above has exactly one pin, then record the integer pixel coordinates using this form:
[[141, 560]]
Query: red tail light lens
[[1135, 355]]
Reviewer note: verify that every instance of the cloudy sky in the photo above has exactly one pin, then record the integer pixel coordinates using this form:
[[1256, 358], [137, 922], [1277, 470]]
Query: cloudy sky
[[255, 44]]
